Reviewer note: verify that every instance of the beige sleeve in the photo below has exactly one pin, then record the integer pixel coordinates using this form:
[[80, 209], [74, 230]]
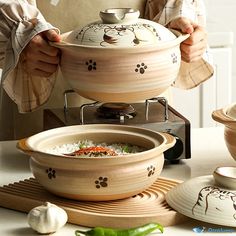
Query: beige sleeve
[[194, 73], [20, 22]]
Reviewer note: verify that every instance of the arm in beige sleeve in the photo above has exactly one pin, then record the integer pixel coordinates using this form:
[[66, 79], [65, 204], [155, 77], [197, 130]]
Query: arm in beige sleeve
[[194, 73], [20, 22]]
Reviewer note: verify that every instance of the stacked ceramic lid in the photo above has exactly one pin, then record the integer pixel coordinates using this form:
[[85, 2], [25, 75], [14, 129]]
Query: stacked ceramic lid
[[209, 198]]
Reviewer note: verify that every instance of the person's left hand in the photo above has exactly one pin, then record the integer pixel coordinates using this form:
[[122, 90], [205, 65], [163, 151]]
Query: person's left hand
[[195, 45], [39, 57]]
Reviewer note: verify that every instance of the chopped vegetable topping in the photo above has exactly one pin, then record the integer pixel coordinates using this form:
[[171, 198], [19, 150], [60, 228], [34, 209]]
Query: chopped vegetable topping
[[93, 151]]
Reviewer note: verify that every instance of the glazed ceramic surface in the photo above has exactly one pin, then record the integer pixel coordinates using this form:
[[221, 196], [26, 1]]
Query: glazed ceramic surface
[[226, 177], [122, 59], [227, 117], [203, 199], [120, 27], [230, 111], [97, 178]]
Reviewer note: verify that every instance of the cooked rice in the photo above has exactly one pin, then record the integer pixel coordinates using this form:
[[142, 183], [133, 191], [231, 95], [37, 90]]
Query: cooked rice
[[119, 148]]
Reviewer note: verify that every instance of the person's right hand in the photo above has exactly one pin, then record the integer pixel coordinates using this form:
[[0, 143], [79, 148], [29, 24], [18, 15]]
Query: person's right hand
[[193, 47], [39, 57]]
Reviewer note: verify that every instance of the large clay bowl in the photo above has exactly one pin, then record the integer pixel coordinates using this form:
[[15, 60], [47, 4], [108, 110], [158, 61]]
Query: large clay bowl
[[97, 178], [121, 58], [125, 74], [224, 117]]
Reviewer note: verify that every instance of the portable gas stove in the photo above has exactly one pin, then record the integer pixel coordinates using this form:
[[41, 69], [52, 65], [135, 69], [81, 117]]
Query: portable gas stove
[[154, 114]]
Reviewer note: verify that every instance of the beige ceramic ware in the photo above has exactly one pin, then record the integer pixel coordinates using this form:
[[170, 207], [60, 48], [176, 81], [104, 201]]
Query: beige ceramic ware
[[122, 58], [227, 116], [226, 177], [204, 199], [97, 178]]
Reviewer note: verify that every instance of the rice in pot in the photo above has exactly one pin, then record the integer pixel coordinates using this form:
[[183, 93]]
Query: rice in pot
[[88, 148]]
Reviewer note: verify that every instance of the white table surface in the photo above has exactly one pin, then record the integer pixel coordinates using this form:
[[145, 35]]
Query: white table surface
[[208, 152]]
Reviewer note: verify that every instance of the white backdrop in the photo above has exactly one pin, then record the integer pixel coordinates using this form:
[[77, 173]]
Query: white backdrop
[[223, 13]]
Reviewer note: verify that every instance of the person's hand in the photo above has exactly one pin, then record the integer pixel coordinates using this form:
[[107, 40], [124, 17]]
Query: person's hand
[[39, 57], [193, 47]]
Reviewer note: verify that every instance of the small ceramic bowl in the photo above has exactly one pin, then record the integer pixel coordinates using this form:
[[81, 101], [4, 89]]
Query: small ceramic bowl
[[97, 178], [227, 117], [121, 58], [225, 177]]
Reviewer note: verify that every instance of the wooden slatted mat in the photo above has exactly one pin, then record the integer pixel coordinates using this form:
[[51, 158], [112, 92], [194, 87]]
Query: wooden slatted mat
[[148, 206]]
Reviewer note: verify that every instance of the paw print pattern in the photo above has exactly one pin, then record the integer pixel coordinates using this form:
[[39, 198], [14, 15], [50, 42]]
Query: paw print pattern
[[92, 65], [151, 170], [174, 58], [101, 182], [51, 173], [141, 68]]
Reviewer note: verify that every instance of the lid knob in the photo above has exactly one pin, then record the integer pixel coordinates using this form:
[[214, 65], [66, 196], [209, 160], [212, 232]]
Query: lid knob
[[225, 177], [119, 16]]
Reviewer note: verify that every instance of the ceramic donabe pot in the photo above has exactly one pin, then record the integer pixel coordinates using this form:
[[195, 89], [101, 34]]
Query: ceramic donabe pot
[[122, 58], [97, 178], [227, 117]]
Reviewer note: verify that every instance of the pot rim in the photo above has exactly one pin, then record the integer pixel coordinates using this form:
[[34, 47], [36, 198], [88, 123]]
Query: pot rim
[[221, 116], [152, 47], [165, 141]]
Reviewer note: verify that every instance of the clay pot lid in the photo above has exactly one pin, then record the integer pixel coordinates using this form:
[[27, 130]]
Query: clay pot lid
[[120, 27], [207, 198], [230, 111], [226, 115]]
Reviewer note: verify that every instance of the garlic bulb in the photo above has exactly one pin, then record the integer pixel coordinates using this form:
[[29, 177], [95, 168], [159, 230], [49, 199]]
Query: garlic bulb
[[47, 218]]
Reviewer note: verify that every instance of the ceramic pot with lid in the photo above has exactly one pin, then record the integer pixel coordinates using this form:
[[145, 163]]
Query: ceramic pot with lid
[[227, 117], [121, 58]]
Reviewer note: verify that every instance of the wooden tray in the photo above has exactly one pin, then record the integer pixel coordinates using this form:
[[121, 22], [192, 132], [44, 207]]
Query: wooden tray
[[148, 206]]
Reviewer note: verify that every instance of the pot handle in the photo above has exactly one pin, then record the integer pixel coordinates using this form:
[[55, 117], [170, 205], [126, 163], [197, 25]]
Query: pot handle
[[180, 36], [22, 146], [60, 45], [170, 141], [183, 37]]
